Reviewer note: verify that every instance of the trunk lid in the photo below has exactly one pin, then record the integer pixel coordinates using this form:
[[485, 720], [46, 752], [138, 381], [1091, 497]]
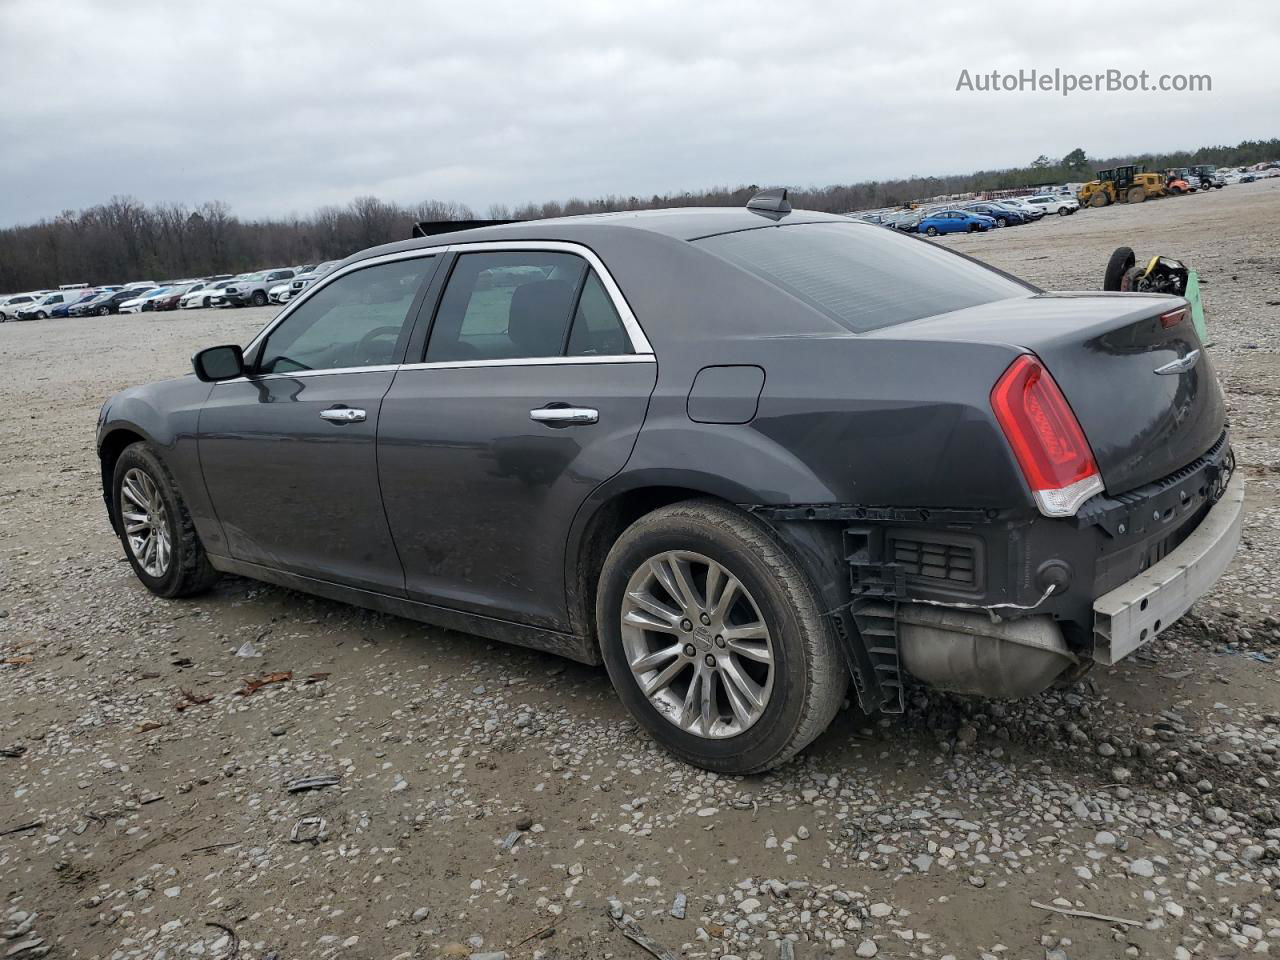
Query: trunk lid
[[1104, 349]]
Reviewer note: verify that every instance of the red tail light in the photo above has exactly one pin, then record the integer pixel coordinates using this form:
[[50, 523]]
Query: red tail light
[[1173, 317], [1046, 438]]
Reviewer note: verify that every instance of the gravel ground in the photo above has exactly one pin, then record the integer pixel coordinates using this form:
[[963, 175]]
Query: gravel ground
[[496, 802]]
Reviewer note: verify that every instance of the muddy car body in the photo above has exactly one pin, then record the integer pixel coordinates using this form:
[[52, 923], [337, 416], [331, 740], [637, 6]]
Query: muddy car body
[[746, 458]]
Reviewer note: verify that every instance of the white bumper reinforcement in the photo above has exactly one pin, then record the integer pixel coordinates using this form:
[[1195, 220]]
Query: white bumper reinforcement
[[1133, 613]]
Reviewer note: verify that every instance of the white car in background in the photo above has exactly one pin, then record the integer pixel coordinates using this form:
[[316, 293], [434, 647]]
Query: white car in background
[[10, 305], [1060, 203], [299, 283], [205, 296], [279, 293], [139, 303]]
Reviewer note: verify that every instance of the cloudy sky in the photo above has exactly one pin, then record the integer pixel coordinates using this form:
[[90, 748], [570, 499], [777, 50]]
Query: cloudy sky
[[280, 106]]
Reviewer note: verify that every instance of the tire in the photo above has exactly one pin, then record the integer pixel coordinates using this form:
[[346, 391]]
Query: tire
[[1002, 221], [973, 228], [259, 298], [806, 679], [188, 570], [1129, 282], [1064, 211], [1136, 195], [104, 311], [206, 303], [931, 231], [1121, 260], [41, 315]]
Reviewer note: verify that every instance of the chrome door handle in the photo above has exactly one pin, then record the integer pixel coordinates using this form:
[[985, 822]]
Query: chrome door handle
[[343, 415], [564, 416]]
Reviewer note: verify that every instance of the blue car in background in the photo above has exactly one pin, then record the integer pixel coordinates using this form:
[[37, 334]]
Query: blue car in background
[[62, 309], [1003, 216], [954, 221]]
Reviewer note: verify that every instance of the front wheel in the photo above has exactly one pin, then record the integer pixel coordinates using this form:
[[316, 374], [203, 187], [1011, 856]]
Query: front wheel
[[715, 640], [259, 298], [152, 521], [931, 231], [1064, 211], [1002, 221], [41, 315]]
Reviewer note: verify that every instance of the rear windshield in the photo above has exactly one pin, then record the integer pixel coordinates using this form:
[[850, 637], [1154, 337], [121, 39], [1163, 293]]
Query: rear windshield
[[863, 277]]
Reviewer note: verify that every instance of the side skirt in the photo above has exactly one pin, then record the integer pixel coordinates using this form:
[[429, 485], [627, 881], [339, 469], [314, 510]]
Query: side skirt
[[581, 649]]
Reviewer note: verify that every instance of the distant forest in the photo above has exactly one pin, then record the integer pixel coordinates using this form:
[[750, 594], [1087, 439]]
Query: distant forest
[[124, 240]]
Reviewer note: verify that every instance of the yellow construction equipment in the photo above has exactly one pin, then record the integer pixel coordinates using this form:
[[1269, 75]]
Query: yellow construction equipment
[[1127, 184]]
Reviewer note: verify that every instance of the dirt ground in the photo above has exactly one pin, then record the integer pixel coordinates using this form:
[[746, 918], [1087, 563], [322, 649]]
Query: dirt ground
[[132, 828]]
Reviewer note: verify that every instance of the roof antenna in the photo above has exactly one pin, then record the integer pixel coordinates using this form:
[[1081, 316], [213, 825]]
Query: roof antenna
[[770, 201]]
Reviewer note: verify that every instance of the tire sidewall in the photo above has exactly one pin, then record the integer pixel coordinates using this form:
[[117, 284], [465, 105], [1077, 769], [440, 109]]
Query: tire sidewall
[[139, 456], [769, 735]]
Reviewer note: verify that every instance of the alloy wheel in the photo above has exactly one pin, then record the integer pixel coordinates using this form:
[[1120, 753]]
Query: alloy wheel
[[146, 522], [697, 644]]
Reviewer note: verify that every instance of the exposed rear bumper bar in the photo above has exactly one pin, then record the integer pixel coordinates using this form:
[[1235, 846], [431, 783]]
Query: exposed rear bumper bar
[[1133, 613]]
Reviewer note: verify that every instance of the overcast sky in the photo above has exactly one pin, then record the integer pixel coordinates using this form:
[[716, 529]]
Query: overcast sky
[[277, 106]]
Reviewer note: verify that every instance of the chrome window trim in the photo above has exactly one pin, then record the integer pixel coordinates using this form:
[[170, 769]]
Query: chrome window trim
[[531, 362], [639, 342], [454, 365]]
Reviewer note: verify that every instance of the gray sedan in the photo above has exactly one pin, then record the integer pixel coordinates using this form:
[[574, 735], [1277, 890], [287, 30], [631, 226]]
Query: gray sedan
[[747, 459]]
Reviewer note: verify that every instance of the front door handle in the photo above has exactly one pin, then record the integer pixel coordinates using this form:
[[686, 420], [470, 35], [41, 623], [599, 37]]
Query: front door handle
[[564, 416], [343, 415]]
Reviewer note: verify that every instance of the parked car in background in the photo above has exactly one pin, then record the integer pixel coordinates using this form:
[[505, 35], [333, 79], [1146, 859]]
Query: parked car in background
[[478, 430], [1059, 203], [63, 310], [143, 301], [110, 303], [251, 289], [203, 293], [40, 309], [954, 221], [1003, 216], [1021, 206], [173, 294], [300, 281], [10, 305], [280, 292]]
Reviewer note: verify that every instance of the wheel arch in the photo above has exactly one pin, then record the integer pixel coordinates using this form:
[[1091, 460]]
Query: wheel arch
[[113, 443]]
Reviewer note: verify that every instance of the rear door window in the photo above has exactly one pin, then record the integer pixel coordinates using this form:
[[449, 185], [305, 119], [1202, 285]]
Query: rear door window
[[862, 277], [506, 305]]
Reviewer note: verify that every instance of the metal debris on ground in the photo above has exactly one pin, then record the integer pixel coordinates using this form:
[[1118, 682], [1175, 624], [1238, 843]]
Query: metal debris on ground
[[13, 752], [309, 830], [233, 948], [252, 684], [511, 840], [637, 936], [1088, 915], [23, 828], [188, 698], [313, 783], [678, 906]]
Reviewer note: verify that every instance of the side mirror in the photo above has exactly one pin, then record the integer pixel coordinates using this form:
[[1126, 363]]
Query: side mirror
[[219, 363]]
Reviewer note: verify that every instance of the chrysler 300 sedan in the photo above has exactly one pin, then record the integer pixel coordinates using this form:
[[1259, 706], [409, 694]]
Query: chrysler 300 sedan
[[745, 458]]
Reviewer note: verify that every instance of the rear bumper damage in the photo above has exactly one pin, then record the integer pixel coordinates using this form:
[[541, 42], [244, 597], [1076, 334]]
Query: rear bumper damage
[[1001, 604]]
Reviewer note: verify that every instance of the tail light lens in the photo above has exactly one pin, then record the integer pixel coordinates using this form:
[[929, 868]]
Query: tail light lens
[[1046, 438]]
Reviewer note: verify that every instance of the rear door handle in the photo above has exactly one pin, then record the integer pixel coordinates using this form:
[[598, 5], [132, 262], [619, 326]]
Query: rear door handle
[[343, 415], [564, 416]]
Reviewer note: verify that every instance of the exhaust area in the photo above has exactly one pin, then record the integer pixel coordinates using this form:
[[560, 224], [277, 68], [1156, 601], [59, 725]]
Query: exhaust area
[[965, 652]]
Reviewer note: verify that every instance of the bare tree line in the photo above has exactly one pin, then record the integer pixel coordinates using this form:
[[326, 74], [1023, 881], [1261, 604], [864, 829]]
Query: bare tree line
[[124, 239]]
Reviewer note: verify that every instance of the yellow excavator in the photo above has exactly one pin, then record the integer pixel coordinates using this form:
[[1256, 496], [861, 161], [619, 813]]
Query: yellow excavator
[[1127, 184]]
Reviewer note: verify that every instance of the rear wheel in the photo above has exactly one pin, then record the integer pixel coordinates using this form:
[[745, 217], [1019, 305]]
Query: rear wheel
[[1136, 195], [714, 639], [1121, 260], [159, 538]]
